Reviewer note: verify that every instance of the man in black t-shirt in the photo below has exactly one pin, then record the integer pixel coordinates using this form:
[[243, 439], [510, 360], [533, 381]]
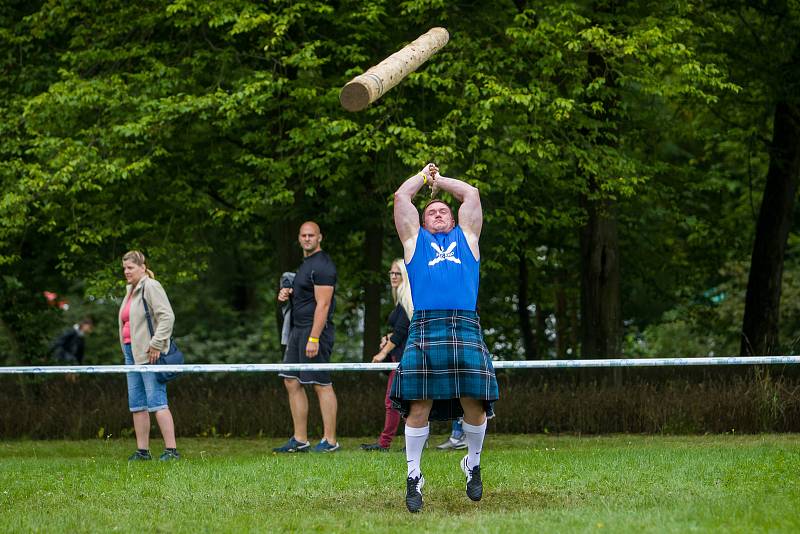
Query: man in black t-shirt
[[311, 341]]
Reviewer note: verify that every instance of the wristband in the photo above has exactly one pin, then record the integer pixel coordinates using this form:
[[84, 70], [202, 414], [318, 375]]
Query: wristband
[[313, 339], [424, 180]]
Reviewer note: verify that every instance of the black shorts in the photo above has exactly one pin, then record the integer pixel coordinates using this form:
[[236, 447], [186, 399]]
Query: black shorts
[[296, 353]]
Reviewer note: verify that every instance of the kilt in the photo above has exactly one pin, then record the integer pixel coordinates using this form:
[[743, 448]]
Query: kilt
[[445, 359]]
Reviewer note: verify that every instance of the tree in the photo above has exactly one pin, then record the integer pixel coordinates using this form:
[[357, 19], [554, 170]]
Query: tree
[[206, 132], [770, 32]]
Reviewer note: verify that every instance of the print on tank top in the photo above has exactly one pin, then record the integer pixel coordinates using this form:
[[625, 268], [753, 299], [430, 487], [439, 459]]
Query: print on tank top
[[443, 272]]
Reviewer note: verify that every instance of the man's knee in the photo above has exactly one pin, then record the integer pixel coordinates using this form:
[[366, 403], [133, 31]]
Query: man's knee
[[418, 412], [474, 411], [324, 390], [292, 384]]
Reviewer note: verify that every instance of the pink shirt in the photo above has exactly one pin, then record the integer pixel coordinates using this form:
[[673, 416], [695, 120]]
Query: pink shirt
[[125, 315]]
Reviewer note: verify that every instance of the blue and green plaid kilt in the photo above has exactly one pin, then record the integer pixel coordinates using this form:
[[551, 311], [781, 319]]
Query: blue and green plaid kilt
[[445, 359]]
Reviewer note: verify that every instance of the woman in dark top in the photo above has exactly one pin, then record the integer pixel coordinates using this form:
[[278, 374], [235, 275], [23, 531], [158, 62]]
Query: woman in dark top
[[392, 345]]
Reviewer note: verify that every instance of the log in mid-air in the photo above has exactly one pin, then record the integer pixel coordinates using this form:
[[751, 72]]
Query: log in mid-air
[[366, 88]]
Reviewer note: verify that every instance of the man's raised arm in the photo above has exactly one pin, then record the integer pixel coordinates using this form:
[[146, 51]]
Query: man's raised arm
[[470, 214], [406, 216]]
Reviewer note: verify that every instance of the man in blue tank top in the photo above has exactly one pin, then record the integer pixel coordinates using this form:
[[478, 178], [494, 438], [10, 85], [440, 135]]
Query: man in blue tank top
[[446, 371]]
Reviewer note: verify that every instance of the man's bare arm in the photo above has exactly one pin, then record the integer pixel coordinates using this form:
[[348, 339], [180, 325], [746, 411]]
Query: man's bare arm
[[323, 296], [470, 214], [406, 216]]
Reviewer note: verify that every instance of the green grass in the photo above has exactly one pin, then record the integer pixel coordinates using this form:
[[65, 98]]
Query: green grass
[[531, 483]]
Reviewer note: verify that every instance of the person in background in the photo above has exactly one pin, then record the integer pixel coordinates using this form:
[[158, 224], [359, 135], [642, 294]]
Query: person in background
[[391, 349], [145, 393], [69, 347], [310, 341], [457, 439]]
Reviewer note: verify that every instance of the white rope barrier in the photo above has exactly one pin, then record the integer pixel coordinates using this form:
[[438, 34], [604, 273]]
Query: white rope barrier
[[499, 364]]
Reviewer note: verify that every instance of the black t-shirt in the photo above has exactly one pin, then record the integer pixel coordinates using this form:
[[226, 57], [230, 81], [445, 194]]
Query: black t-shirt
[[316, 270], [69, 347]]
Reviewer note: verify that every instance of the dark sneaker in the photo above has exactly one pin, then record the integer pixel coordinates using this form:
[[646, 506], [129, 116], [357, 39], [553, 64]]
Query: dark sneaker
[[453, 444], [139, 456], [324, 446], [474, 484], [168, 455], [373, 447], [293, 446], [414, 493]]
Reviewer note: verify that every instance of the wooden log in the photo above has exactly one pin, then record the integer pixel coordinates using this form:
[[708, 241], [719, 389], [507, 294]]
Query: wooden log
[[366, 88]]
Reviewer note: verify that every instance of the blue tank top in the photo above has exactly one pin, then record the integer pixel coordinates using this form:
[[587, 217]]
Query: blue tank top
[[443, 272]]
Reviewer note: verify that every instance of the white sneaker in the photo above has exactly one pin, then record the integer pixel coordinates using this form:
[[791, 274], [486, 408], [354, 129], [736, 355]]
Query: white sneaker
[[453, 443]]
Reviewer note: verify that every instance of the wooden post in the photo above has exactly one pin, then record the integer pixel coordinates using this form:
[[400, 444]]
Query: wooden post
[[366, 88]]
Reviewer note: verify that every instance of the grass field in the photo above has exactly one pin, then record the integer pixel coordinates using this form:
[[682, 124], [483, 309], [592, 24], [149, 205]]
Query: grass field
[[532, 483]]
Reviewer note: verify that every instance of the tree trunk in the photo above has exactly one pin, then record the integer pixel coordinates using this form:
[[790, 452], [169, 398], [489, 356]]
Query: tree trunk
[[601, 304], [243, 293], [763, 298], [601, 307], [573, 323], [7, 330], [528, 341], [562, 330], [374, 286]]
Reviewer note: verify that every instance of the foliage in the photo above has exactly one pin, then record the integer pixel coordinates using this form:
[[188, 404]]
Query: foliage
[[203, 133], [710, 324]]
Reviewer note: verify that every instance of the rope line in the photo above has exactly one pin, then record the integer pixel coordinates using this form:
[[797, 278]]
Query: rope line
[[499, 364]]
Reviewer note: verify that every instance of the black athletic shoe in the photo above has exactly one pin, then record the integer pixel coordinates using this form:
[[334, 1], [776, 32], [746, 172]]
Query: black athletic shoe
[[373, 447], [293, 446], [324, 446], [474, 484], [414, 493], [139, 456], [169, 455]]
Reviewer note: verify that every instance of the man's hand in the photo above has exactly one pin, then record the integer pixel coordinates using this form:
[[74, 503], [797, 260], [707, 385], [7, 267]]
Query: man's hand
[[378, 358], [284, 294], [153, 354], [430, 171], [433, 177], [312, 349]]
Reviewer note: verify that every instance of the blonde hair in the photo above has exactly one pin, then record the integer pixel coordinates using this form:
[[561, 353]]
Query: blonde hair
[[402, 293], [134, 256]]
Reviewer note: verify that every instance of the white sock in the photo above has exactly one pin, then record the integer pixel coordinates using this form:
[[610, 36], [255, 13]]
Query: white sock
[[415, 442], [475, 435]]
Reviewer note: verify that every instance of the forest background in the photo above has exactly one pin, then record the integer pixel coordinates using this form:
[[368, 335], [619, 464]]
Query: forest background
[[638, 165]]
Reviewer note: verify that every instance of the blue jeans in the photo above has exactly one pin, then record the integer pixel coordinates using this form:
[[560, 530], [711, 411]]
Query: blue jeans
[[458, 429], [144, 391]]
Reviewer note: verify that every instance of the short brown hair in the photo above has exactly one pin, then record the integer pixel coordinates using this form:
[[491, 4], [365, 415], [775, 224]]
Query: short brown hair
[[434, 201]]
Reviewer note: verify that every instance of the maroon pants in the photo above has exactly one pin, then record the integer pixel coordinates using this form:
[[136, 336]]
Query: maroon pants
[[392, 420]]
